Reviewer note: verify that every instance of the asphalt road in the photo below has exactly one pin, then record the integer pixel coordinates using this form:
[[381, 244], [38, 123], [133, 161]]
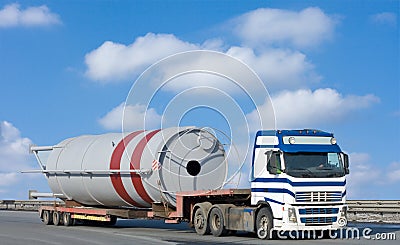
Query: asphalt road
[[21, 228]]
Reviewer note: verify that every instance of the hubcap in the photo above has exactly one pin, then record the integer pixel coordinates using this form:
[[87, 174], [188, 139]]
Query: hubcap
[[199, 221], [262, 231], [264, 223], [217, 221]]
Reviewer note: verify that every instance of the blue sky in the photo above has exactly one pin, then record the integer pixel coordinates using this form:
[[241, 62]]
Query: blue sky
[[332, 65]]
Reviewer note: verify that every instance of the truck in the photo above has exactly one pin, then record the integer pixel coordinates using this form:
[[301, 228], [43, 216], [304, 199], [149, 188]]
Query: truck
[[297, 180]]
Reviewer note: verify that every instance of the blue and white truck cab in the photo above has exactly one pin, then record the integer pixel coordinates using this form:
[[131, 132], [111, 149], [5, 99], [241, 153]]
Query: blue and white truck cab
[[301, 176]]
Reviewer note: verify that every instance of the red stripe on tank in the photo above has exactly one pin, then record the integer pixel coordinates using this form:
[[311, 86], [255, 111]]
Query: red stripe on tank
[[135, 165], [115, 164]]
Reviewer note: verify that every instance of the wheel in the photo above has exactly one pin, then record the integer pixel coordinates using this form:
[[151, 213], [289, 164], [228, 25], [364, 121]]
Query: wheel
[[67, 220], [216, 222], [264, 223], [56, 218], [200, 222], [47, 218]]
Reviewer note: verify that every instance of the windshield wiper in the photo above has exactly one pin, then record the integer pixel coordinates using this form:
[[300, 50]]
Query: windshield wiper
[[309, 174], [302, 169], [335, 175]]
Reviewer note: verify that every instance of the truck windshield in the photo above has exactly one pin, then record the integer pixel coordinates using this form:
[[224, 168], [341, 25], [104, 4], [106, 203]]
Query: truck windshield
[[314, 165]]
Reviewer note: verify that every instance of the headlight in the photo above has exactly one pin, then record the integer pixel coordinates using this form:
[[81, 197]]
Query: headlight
[[292, 215], [343, 212], [333, 141], [292, 140]]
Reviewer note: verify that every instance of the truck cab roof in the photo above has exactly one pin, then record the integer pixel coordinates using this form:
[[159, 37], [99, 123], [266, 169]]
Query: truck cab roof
[[300, 140], [295, 132]]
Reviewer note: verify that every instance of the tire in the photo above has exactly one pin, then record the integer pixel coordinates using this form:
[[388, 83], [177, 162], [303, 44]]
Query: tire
[[47, 218], [67, 220], [216, 222], [264, 223], [200, 222], [56, 218]]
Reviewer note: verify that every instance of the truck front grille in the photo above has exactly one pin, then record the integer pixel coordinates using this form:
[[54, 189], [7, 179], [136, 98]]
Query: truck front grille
[[318, 220], [319, 196], [318, 210]]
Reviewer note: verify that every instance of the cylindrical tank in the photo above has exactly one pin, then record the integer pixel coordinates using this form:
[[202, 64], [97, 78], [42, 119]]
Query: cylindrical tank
[[138, 168]]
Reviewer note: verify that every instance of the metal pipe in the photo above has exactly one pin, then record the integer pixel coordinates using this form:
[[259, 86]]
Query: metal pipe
[[41, 194], [34, 148]]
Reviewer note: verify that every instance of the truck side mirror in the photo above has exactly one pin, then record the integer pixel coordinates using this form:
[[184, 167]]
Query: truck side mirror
[[272, 166], [346, 163]]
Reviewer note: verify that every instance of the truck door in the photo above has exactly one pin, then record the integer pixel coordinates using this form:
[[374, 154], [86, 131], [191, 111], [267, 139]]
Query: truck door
[[266, 184]]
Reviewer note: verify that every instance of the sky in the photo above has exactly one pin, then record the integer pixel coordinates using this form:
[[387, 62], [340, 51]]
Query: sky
[[66, 68]]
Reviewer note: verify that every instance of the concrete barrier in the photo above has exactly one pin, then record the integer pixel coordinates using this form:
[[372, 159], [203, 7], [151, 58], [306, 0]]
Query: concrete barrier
[[379, 211]]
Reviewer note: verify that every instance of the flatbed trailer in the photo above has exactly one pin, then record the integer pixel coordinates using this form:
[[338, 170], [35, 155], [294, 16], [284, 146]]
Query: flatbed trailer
[[192, 207]]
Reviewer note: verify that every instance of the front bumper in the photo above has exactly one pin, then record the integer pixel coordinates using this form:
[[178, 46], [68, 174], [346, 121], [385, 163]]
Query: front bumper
[[310, 218]]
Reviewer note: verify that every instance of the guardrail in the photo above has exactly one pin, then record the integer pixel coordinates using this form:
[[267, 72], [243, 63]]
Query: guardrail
[[374, 206], [30, 205], [358, 210], [387, 211]]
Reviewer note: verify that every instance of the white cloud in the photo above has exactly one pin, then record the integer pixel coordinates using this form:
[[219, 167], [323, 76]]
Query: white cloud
[[385, 18], [267, 26], [112, 62], [278, 67], [14, 157], [362, 170], [7, 179], [213, 44], [366, 177], [14, 185], [306, 109], [14, 149], [363, 177], [12, 15], [135, 117], [394, 172], [202, 81]]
